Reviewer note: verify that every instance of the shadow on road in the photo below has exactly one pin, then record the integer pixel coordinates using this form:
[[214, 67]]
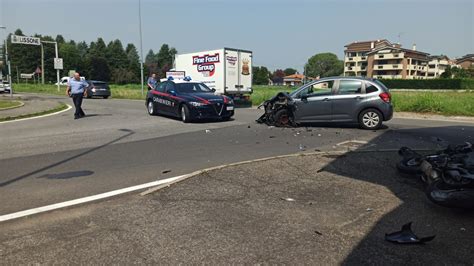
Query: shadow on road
[[67, 175], [450, 225], [128, 132]]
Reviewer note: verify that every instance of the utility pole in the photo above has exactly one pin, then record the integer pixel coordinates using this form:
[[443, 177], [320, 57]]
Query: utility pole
[[141, 45], [42, 64]]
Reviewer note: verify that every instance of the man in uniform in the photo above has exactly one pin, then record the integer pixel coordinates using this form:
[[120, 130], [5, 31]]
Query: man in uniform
[[152, 82], [76, 88]]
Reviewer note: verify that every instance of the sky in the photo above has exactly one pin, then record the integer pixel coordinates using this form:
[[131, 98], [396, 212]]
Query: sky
[[281, 33]]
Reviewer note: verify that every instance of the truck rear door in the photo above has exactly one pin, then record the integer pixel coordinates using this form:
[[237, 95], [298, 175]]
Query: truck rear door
[[238, 72]]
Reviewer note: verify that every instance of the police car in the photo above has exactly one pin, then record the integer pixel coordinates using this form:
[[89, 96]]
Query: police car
[[188, 100]]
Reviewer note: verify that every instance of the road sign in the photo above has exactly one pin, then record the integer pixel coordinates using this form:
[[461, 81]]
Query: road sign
[[26, 40], [38, 70], [58, 63], [26, 76]]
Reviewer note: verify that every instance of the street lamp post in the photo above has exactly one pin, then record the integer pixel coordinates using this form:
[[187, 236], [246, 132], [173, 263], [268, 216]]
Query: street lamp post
[[141, 45], [9, 76]]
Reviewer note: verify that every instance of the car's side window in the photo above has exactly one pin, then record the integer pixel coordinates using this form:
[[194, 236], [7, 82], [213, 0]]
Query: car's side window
[[350, 87], [161, 87], [369, 88], [321, 88], [170, 87]]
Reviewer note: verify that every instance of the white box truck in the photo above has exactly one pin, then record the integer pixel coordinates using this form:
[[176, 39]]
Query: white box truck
[[227, 70]]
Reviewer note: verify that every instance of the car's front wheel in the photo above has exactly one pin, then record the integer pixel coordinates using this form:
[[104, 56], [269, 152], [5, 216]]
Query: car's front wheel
[[151, 108], [185, 114], [370, 119]]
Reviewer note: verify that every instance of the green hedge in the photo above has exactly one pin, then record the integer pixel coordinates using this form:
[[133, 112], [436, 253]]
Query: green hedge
[[430, 84]]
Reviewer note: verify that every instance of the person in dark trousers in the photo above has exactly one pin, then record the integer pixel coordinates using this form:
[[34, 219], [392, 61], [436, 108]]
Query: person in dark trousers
[[76, 88], [152, 82]]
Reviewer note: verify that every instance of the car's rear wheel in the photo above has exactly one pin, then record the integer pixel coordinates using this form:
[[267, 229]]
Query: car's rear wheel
[[151, 108], [370, 119], [185, 114]]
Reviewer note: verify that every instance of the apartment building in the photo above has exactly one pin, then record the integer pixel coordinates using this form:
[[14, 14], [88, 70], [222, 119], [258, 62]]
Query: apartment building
[[437, 65], [466, 61], [355, 59], [382, 59]]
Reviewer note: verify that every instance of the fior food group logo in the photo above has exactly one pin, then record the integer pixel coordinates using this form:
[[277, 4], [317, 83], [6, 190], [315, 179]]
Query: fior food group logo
[[206, 64]]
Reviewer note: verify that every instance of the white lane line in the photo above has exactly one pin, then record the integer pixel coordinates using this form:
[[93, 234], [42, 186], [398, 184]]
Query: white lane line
[[157, 185], [34, 117], [109, 194]]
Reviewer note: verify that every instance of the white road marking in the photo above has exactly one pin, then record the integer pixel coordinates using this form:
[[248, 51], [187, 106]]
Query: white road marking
[[157, 185], [69, 203], [34, 117]]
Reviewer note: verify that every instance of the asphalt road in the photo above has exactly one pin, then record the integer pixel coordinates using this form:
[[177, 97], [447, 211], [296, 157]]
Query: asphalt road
[[54, 159]]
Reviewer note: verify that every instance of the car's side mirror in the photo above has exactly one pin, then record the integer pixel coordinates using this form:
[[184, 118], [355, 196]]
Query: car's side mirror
[[213, 90], [304, 96]]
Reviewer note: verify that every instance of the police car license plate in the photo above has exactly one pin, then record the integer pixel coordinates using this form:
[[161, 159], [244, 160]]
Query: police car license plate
[[230, 108]]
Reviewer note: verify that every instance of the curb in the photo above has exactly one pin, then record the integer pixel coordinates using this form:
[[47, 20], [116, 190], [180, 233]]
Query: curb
[[13, 107], [35, 117]]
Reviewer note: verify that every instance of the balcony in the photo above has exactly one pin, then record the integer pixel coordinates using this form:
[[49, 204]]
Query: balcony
[[351, 69], [388, 67], [388, 76], [355, 58], [388, 56]]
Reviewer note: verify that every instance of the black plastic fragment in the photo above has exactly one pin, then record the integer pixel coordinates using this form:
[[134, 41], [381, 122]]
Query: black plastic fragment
[[406, 236]]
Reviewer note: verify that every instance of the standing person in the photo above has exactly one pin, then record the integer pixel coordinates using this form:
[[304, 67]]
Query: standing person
[[152, 82], [76, 88]]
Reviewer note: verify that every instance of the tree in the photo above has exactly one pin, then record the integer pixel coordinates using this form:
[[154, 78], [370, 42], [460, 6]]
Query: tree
[[260, 75], [71, 57], [289, 71], [133, 63], [98, 68], [164, 59], [277, 76], [324, 65], [115, 55]]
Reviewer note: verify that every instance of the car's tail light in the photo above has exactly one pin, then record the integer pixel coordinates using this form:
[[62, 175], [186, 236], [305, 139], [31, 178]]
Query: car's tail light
[[385, 96]]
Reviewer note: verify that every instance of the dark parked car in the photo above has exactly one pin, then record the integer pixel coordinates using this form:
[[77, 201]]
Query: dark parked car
[[98, 89], [188, 100], [334, 99]]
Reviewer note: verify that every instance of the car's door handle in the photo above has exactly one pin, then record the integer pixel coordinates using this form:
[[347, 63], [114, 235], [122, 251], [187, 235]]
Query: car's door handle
[[358, 98], [326, 100]]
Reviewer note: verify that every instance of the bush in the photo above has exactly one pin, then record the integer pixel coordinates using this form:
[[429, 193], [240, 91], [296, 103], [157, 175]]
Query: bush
[[430, 84]]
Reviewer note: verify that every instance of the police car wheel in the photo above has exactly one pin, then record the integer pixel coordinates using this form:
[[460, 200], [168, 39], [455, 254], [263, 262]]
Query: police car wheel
[[185, 114], [151, 108]]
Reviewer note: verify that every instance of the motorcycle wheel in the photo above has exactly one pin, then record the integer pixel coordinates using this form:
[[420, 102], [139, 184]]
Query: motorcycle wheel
[[446, 195], [409, 166]]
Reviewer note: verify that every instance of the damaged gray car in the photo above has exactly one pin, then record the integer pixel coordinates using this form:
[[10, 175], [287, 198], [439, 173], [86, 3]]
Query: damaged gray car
[[335, 99]]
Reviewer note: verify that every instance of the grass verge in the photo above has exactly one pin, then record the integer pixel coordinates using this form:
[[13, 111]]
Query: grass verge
[[9, 104], [440, 102], [60, 107]]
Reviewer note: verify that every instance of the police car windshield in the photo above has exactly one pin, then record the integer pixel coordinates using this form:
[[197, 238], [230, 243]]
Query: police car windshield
[[192, 88]]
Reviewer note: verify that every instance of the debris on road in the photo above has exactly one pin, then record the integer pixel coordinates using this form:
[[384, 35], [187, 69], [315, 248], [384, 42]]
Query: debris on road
[[288, 199], [278, 111], [302, 147], [448, 174], [318, 233], [208, 131], [406, 236], [166, 171]]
